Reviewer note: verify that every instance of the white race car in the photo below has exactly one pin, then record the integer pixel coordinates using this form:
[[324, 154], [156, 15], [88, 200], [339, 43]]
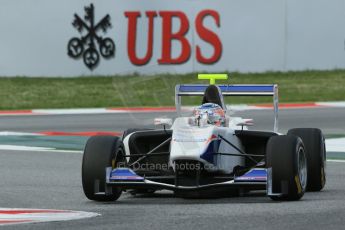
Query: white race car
[[207, 154]]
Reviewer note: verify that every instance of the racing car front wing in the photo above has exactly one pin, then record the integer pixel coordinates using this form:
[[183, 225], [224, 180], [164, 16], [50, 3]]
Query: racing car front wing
[[255, 179]]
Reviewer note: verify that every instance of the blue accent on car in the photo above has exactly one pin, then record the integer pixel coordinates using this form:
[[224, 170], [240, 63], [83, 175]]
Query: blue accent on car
[[256, 174], [124, 174], [212, 148], [229, 88], [210, 106]]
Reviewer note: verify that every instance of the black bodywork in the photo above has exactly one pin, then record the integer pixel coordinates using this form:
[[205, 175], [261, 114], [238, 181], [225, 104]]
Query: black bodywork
[[142, 142]]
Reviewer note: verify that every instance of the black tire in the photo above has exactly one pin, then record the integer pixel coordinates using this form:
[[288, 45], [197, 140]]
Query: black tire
[[286, 167], [127, 132], [100, 152], [314, 143]]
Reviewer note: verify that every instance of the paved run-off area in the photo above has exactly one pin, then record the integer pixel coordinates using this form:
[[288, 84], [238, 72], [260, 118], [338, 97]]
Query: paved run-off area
[[53, 180]]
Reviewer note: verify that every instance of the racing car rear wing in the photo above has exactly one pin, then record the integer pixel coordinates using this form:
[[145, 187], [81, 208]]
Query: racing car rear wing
[[230, 90]]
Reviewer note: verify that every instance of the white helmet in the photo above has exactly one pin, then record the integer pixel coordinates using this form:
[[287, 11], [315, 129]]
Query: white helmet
[[211, 112]]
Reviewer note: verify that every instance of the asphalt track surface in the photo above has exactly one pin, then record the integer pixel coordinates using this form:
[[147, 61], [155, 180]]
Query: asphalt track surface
[[52, 180], [330, 120]]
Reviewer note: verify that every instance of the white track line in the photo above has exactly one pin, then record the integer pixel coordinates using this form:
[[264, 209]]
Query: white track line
[[36, 149], [24, 148], [339, 104], [10, 133], [71, 111], [338, 161], [335, 145], [11, 216]]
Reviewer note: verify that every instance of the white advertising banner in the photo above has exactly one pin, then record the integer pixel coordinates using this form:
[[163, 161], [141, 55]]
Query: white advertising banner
[[107, 37]]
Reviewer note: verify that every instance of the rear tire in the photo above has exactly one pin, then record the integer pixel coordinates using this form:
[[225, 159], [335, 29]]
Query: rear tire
[[286, 167], [314, 143], [100, 152]]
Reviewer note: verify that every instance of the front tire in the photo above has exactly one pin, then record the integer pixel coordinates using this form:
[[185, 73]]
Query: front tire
[[100, 152], [314, 143], [286, 167]]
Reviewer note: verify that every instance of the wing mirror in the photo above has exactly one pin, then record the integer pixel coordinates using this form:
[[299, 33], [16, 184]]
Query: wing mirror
[[163, 121], [245, 122]]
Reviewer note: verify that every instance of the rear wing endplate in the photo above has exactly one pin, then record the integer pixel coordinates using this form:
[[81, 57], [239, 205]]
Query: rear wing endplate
[[230, 90]]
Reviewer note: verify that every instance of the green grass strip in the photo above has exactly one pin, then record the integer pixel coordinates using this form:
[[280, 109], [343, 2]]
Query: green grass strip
[[158, 90]]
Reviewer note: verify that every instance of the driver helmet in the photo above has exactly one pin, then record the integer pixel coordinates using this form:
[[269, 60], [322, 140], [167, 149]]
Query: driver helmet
[[213, 113]]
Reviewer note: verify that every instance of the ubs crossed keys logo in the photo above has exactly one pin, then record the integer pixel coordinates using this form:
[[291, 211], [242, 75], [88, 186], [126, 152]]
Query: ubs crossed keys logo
[[86, 45]]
